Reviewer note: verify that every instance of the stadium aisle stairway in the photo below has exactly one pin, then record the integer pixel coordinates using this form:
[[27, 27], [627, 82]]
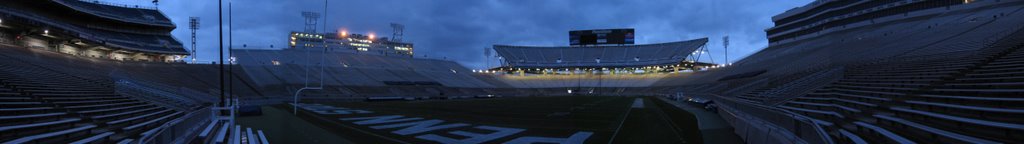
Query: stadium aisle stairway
[[42, 105]]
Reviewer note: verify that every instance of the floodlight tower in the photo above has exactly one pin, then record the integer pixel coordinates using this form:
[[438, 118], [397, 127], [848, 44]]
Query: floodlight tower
[[487, 56], [311, 19], [399, 30], [725, 44], [193, 24]]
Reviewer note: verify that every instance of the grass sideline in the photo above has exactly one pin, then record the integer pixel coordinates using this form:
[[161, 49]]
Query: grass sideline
[[539, 116]]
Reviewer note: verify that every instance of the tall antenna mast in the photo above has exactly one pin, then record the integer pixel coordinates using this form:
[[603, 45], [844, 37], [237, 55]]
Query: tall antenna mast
[[193, 24], [399, 30]]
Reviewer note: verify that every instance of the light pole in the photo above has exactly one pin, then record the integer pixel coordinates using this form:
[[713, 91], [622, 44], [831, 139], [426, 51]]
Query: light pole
[[220, 34], [231, 55]]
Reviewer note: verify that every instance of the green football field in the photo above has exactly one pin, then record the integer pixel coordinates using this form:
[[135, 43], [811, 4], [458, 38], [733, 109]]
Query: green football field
[[587, 119]]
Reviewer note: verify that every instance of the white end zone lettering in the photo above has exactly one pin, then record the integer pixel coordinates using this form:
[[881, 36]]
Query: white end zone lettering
[[473, 138], [577, 138]]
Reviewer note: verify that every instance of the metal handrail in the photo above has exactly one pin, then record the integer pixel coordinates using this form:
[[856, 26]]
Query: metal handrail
[[125, 87], [818, 136], [181, 128], [193, 95], [804, 85]]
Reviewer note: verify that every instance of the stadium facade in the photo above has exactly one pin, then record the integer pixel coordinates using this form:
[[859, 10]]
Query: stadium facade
[[91, 29], [350, 43]]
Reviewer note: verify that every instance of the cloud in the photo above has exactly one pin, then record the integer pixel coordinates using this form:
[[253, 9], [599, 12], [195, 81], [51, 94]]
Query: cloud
[[461, 29]]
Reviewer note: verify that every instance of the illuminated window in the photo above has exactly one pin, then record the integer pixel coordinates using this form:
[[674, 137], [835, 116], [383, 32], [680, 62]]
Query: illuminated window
[[275, 62], [402, 48], [361, 40], [362, 49], [359, 44]]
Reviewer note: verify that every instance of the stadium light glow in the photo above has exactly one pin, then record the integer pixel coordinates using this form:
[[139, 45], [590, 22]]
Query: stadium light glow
[[371, 36], [46, 31]]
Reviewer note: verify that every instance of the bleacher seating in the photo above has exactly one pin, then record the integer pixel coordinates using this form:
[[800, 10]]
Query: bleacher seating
[[972, 97], [219, 131], [358, 75], [47, 106]]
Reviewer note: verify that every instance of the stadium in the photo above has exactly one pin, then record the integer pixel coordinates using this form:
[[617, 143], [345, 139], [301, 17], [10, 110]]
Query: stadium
[[832, 71]]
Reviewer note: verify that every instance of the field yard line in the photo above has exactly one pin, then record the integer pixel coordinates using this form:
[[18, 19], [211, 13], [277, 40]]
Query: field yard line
[[672, 124], [438, 100], [624, 117]]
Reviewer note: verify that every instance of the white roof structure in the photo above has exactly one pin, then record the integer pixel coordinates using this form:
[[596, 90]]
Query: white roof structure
[[598, 56]]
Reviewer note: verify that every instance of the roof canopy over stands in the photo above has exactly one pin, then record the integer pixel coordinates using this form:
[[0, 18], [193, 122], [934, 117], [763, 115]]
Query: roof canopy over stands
[[598, 56], [133, 14]]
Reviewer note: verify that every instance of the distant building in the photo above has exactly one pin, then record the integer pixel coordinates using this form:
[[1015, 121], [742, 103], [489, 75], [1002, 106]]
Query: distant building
[[350, 43]]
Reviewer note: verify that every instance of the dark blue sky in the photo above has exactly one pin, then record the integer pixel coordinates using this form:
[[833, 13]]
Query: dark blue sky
[[461, 29]]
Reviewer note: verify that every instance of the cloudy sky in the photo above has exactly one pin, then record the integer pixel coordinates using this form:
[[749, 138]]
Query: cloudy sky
[[461, 29]]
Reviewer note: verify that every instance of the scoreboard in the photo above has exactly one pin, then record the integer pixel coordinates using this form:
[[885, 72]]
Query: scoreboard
[[601, 37]]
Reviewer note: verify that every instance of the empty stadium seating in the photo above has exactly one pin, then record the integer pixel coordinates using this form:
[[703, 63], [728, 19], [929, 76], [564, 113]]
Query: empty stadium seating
[[47, 106], [348, 75], [972, 98], [220, 131], [949, 76]]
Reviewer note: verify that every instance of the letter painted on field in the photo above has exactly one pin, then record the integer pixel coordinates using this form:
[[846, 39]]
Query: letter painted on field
[[379, 119], [473, 138], [419, 126], [577, 138]]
